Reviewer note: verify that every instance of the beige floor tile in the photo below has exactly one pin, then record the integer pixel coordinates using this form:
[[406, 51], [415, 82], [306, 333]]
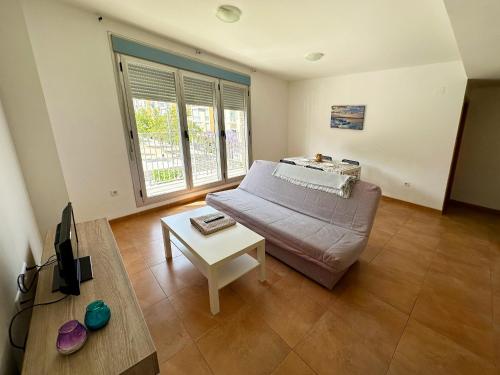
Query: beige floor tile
[[295, 286], [192, 305], [395, 208], [468, 328], [495, 239], [177, 273], [278, 267], [378, 322], [413, 243], [133, 260], [407, 254], [187, 361], [428, 215], [463, 253], [424, 226], [166, 328], [388, 222], [249, 288], [443, 270], [146, 231], [370, 252], [376, 242], [393, 286], [124, 239], [496, 309], [175, 246], [333, 347], [427, 240], [476, 276], [153, 251], [292, 317], [402, 261], [497, 347], [146, 288], [495, 276], [243, 345], [424, 351], [459, 292], [471, 234], [293, 365]]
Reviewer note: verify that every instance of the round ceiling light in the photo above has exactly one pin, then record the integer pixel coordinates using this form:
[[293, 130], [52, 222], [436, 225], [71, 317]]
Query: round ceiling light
[[228, 13], [314, 56]]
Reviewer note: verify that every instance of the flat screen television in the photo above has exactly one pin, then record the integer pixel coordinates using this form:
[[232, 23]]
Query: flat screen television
[[70, 270]]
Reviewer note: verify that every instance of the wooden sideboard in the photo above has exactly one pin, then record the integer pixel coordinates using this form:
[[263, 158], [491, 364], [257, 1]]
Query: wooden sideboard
[[123, 346]]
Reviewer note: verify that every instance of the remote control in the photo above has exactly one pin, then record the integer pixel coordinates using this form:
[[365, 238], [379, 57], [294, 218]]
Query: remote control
[[214, 219]]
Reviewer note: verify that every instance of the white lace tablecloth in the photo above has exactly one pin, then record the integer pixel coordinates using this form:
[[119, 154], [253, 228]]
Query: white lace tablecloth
[[332, 166]]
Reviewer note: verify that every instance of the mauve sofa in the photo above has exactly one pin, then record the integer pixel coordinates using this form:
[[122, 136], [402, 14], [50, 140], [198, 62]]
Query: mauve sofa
[[319, 234]]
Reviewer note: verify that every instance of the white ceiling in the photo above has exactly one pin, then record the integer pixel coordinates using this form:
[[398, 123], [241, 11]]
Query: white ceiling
[[274, 35], [477, 29]]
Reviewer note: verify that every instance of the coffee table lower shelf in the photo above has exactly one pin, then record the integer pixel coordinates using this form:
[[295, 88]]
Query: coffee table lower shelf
[[227, 272]]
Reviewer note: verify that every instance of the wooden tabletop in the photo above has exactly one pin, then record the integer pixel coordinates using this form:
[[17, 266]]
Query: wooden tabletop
[[123, 346]]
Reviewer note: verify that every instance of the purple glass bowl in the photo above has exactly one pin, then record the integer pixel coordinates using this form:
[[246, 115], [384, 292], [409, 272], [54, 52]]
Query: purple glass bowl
[[72, 335]]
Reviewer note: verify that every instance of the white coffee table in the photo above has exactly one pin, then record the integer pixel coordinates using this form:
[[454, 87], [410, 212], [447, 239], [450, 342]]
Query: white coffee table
[[221, 257]]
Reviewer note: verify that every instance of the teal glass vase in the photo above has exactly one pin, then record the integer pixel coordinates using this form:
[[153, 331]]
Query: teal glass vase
[[97, 315]]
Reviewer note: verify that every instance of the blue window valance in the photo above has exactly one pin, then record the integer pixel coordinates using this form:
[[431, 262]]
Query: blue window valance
[[131, 48]]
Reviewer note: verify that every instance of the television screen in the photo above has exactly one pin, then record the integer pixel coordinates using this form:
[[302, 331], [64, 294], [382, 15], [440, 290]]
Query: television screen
[[70, 270], [73, 235]]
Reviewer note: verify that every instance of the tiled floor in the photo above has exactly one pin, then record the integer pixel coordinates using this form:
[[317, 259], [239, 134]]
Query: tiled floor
[[424, 298]]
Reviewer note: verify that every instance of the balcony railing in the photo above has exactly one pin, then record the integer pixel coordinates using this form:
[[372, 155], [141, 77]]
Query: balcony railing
[[204, 153], [236, 153], [163, 161]]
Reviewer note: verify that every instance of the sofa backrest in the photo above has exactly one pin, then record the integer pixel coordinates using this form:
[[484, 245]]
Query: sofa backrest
[[355, 213]]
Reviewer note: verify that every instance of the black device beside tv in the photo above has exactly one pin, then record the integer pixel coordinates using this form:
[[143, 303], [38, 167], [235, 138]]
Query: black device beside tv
[[70, 270]]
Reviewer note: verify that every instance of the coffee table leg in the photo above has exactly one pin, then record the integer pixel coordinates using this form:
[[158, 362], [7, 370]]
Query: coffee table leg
[[261, 257], [166, 241], [213, 291]]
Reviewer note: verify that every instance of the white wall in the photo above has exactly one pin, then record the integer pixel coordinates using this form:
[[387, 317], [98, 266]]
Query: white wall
[[411, 122], [269, 117], [25, 109], [19, 236], [27, 154], [477, 177], [76, 69]]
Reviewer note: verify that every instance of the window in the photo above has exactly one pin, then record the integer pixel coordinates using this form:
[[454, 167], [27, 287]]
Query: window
[[187, 131], [153, 100], [203, 128], [234, 99]]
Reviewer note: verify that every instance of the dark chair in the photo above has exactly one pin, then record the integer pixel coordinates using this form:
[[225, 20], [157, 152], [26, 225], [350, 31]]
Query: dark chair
[[310, 166], [287, 162], [327, 158], [353, 162]]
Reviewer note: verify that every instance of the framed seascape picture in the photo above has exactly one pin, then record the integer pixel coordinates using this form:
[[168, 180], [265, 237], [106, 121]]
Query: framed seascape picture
[[348, 117]]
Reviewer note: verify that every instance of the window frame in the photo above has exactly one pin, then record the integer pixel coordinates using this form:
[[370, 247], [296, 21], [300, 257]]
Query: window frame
[[249, 132], [132, 139], [133, 135], [216, 98]]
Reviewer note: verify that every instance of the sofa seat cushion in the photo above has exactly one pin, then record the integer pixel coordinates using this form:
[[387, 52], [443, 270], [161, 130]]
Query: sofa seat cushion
[[321, 242], [355, 213]]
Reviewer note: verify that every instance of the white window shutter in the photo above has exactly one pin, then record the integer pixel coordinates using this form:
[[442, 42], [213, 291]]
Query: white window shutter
[[234, 97], [198, 91], [149, 83]]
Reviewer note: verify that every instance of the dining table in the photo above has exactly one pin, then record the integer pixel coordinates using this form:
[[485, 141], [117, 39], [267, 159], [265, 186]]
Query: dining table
[[332, 166]]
